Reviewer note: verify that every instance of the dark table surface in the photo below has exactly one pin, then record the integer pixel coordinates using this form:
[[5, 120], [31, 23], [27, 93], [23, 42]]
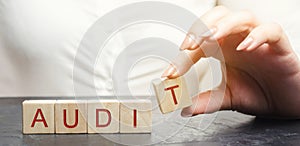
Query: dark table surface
[[221, 128]]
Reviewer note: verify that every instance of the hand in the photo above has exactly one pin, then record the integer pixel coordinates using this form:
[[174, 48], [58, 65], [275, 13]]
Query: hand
[[263, 72]]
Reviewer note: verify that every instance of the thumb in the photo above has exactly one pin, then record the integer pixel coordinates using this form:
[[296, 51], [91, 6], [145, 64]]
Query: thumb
[[208, 102]]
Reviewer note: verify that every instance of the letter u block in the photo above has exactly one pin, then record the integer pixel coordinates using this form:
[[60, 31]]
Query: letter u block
[[70, 116], [172, 94], [38, 116], [103, 116]]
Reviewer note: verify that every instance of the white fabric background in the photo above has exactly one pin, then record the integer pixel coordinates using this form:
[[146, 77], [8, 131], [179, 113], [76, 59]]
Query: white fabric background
[[39, 38]]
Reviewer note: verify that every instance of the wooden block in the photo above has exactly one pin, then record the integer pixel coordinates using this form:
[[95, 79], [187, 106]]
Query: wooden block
[[103, 116], [38, 116], [135, 116], [70, 116], [172, 94]]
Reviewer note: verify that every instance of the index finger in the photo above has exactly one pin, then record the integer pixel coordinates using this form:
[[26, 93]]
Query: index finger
[[184, 61]]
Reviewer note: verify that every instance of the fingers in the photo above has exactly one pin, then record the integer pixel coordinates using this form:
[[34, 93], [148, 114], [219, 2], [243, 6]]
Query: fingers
[[220, 27], [240, 22], [180, 65], [208, 102], [266, 33], [200, 28], [197, 33], [221, 23]]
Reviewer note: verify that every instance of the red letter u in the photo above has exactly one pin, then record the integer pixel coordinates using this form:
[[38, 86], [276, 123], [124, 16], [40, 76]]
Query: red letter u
[[65, 119]]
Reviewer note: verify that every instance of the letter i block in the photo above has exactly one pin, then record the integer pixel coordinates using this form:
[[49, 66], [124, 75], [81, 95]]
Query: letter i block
[[103, 116], [70, 116], [135, 116], [38, 116], [172, 94]]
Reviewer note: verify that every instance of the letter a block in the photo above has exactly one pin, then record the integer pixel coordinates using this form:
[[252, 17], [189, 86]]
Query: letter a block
[[70, 116], [103, 116], [135, 116], [171, 94], [38, 116]]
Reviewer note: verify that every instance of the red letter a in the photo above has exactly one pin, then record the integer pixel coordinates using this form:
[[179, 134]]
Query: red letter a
[[39, 111]]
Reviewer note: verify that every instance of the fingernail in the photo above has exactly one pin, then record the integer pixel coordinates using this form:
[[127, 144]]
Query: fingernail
[[195, 45], [188, 42], [210, 32], [173, 75], [213, 33], [252, 46], [246, 43], [169, 71], [186, 113], [181, 49]]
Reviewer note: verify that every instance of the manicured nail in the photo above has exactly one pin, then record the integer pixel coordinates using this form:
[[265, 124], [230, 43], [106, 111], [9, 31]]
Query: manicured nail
[[193, 42], [173, 75], [209, 33], [186, 113], [188, 42], [253, 45], [245, 44], [168, 72], [213, 34]]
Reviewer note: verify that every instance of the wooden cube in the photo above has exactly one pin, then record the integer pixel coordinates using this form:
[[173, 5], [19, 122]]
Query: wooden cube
[[135, 116], [70, 116], [38, 116], [103, 116], [172, 94]]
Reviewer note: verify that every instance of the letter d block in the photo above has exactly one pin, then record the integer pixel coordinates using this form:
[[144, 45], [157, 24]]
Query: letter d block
[[70, 116], [103, 116], [135, 116], [38, 116], [172, 94]]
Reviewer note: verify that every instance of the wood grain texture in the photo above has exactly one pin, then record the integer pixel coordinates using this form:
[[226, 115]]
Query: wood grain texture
[[38, 116], [103, 116], [135, 116], [66, 112]]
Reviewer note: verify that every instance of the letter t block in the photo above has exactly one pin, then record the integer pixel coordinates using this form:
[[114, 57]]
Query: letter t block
[[172, 94]]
